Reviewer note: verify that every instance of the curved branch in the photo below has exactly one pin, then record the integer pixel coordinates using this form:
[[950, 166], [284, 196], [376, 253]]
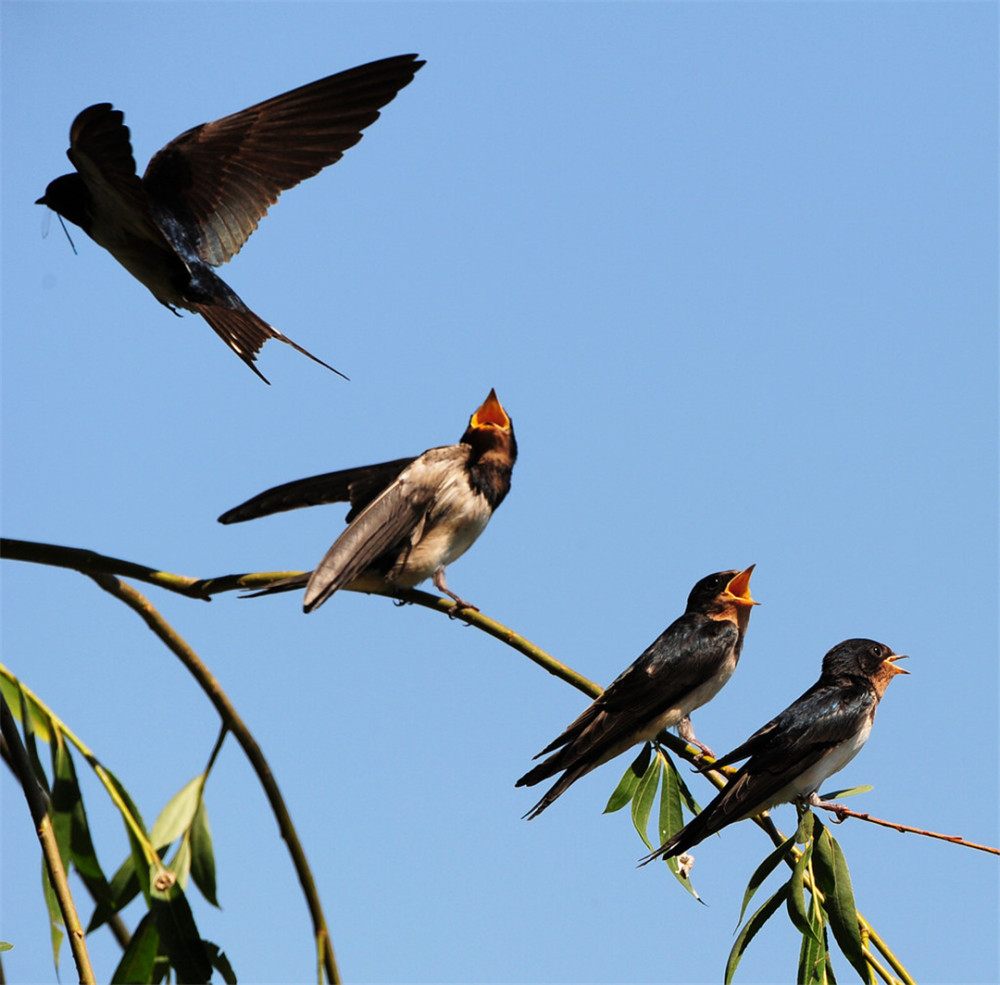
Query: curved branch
[[232, 721]]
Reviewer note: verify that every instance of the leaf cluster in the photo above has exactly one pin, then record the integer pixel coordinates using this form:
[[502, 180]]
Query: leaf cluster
[[160, 864]]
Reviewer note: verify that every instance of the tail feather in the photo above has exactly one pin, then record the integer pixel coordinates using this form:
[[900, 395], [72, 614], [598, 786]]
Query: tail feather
[[245, 333]]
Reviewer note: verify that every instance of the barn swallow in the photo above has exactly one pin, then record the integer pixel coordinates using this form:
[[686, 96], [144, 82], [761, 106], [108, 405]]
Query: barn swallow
[[683, 669], [794, 753], [204, 193], [409, 518]]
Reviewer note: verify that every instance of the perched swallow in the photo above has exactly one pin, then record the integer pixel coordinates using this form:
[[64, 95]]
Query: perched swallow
[[793, 754], [203, 194], [409, 518], [683, 669]]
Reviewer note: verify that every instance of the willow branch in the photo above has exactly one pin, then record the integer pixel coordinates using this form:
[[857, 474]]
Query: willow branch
[[843, 812], [89, 562], [232, 721], [114, 921], [39, 808]]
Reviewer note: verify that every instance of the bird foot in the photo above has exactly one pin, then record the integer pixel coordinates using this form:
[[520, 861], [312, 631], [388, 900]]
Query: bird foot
[[813, 800], [460, 606], [686, 731]]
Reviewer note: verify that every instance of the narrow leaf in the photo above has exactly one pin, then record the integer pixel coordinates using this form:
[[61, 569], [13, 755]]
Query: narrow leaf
[[849, 792], [181, 864], [642, 802], [178, 814], [203, 855], [692, 805], [750, 929], [672, 817], [763, 871], [139, 960], [834, 880], [810, 961], [63, 797], [626, 788], [124, 887], [796, 902], [220, 962], [671, 814], [178, 930], [55, 915]]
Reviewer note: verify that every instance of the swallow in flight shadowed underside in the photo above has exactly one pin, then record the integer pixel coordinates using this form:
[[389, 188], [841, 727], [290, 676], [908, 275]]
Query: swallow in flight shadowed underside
[[794, 753], [408, 519], [682, 670], [203, 194]]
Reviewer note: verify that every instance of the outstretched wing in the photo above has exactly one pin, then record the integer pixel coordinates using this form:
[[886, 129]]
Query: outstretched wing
[[222, 177], [358, 486]]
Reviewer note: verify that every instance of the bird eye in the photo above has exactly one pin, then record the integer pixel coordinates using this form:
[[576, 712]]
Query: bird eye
[[876, 650]]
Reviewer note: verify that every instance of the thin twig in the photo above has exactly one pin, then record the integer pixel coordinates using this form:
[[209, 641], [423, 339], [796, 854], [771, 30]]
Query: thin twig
[[37, 804], [141, 605], [843, 812]]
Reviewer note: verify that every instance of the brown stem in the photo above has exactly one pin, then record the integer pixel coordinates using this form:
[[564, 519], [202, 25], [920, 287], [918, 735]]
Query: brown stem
[[843, 812], [39, 808]]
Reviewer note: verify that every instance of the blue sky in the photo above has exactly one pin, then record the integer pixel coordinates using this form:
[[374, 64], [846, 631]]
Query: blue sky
[[732, 270]]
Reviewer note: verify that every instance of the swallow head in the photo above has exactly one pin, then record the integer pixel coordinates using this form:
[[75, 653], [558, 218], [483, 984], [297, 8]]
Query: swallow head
[[723, 595], [865, 659], [68, 196], [490, 432], [490, 414]]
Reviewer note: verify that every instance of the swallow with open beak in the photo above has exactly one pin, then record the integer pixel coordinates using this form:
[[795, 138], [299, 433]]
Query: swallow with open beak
[[409, 518], [204, 193], [794, 753], [683, 669]]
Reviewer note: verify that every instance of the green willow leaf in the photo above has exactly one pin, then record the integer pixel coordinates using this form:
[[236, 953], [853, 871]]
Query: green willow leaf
[[672, 817], [692, 805], [763, 871], [203, 855], [33, 718], [181, 864], [31, 729], [834, 881], [750, 929], [178, 931], [6, 946], [177, 816], [138, 963], [796, 901], [63, 797], [849, 792], [123, 888], [55, 915], [642, 802], [812, 966], [671, 814], [813, 957], [220, 962], [626, 788]]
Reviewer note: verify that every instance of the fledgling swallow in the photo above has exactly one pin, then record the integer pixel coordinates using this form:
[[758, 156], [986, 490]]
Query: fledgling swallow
[[204, 193], [409, 518], [683, 669], [794, 753]]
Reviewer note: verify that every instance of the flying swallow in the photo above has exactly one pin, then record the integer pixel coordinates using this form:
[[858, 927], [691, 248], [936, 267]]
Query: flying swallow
[[683, 669], [204, 193], [409, 518], [794, 753]]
